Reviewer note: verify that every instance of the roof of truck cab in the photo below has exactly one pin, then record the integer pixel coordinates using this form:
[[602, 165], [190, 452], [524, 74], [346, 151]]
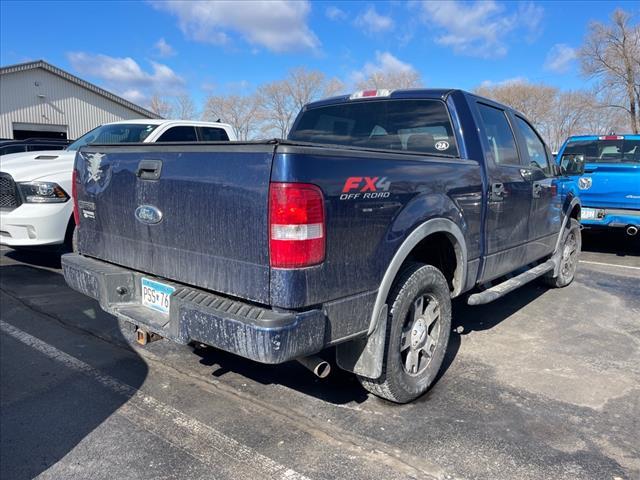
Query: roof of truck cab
[[410, 93], [400, 93], [634, 136]]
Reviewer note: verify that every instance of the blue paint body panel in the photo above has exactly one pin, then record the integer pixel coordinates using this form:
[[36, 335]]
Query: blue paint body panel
[[611, 190]]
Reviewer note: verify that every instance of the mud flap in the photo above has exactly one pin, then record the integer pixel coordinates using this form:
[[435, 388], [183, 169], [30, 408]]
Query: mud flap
[[363, 356]]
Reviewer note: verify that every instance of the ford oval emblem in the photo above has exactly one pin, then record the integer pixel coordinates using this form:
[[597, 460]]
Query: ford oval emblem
[[148, 214]]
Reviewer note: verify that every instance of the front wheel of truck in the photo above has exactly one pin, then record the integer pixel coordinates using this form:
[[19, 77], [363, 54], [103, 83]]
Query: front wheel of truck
[[417, 334], [570, 252]]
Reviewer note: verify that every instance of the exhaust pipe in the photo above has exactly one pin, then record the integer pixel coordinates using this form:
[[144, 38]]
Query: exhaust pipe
[[632, 230], [143, 336], [318, 366]]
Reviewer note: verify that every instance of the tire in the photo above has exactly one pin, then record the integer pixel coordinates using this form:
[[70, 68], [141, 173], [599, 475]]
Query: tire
[[415, 343], [571, 246]]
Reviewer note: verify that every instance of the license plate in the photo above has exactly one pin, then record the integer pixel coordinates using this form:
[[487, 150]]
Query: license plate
[[588, 213], [156, 295]]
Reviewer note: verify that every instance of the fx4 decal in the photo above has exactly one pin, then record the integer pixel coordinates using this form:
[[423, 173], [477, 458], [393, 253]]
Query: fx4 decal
[[365, 187]]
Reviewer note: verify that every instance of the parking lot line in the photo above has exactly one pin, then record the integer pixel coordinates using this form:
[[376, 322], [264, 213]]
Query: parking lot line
[[609, 264], [194, 437]]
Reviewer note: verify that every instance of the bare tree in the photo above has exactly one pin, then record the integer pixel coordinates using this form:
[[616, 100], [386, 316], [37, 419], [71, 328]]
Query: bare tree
[[601, 118], [184, 108], [611, 54], [535, 101], [305, 86], [160, 106], [277, 108], [568, 116], [391, 79], [333, 87], [280, 101], [239, 111]]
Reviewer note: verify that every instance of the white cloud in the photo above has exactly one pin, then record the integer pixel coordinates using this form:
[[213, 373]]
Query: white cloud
[[507, 81], [125, 77], [385, 63], [334, 13], [372, 22], [278, 25], [559, 58], [479, 28], [163, 49]]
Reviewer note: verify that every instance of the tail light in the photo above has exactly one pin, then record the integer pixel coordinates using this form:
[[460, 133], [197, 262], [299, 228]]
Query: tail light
[[74, 194], [296, 225]]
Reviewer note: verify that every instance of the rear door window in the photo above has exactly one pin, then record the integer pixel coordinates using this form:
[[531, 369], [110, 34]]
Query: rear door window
[[212, 134], [419, 126], [179, 134], [499, 136]]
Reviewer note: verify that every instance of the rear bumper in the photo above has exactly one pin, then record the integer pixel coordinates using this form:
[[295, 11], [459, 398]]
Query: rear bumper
[[612, 217], [245, 329]]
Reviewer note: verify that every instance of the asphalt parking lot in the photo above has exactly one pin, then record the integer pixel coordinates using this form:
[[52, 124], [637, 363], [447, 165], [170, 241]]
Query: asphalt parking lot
[[542, 384]]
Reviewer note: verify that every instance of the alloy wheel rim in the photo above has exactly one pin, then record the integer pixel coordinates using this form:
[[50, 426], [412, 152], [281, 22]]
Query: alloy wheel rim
[[569, 254], [420, 333]]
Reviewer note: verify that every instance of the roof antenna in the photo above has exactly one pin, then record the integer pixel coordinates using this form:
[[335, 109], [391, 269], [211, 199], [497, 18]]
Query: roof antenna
[[218, 121]]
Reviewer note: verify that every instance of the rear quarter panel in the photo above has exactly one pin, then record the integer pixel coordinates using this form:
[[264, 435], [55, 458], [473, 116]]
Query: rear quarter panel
[[364, 233]]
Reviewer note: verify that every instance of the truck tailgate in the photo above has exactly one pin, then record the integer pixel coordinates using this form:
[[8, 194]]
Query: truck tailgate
[[203, 221], [612, 185]]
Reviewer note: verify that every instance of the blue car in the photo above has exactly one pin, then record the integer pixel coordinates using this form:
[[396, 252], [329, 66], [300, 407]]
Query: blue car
[[609, 188]]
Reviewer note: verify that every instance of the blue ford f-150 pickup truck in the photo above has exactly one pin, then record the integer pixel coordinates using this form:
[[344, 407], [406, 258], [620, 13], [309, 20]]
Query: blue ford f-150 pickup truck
[[609, 188], [355, 232]]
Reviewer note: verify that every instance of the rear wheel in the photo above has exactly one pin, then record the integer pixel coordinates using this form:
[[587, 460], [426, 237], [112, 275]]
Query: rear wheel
[[418, 330], [570, 246]]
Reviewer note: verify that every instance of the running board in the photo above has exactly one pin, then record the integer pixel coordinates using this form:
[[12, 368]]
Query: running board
[[507, 286]]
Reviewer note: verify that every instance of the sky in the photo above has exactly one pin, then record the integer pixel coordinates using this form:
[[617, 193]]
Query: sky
[[137, 49]]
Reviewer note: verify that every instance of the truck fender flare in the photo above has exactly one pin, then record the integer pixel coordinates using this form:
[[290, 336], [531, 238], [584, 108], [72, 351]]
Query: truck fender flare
[[567, 214], [434, 225], [575, 201]]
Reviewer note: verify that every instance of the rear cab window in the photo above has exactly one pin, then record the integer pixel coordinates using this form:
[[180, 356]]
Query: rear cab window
[[618, 150], [413, 126]]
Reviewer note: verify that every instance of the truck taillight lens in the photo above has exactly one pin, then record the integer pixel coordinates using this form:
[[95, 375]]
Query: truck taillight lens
[[74, 194], [296, 225]]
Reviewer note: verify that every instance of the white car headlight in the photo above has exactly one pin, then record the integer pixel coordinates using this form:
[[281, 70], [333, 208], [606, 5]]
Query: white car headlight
[[42, 192]]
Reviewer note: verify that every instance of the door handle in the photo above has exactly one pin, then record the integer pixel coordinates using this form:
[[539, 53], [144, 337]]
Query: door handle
[[149, 169], [537, 190], [497, 192]]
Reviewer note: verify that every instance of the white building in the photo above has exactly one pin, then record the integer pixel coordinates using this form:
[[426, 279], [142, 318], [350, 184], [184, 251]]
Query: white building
[[40, 100]]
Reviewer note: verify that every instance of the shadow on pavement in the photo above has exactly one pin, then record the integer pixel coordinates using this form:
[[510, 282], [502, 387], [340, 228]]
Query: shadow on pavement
[[37, 258], [610, 241], [46, 407], [340, 387]]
